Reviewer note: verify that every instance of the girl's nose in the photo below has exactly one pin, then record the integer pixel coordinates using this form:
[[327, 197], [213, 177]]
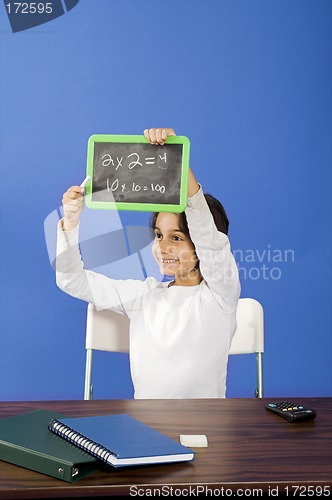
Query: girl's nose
[[164, 246]]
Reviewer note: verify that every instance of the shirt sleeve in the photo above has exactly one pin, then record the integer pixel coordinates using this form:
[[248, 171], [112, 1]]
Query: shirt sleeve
[[105, 293], [217, 264]]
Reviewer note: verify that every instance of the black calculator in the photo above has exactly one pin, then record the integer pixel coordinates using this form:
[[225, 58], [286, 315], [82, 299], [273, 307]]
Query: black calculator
[[293, 412]]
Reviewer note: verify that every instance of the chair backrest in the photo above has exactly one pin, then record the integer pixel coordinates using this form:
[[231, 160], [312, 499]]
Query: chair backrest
[[109, 331], [249, 335], [106, 330]]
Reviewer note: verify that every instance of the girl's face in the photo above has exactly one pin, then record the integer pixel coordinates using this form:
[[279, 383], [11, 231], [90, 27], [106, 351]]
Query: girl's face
[[174, 250]]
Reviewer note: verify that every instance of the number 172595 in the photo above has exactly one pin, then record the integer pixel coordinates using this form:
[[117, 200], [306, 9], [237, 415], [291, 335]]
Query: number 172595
[[29, 8]]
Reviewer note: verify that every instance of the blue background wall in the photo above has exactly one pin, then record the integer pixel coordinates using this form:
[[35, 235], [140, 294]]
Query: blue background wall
[[249, 82]]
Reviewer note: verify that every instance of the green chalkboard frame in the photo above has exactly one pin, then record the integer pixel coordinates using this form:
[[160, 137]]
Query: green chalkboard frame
[[145, 207]]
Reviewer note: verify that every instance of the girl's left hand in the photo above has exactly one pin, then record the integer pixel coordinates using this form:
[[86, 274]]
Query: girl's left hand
[[158, 135]]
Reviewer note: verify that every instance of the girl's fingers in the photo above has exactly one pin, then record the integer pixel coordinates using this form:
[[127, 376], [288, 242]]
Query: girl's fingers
[[170, 131], [73, 193], [152, 135], [69, 198], [146, 134], [158, 135], [75, 189], [73, 203], [72, 209]]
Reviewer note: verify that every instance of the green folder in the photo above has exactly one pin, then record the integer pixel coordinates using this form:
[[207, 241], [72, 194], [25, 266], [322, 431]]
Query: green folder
[[26, 441]]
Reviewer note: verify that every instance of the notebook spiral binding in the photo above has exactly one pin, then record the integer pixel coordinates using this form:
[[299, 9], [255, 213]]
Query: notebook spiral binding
[[81, 441]]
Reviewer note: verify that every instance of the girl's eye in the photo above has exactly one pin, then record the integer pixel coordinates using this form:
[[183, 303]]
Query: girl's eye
[[177, 238], [157, 236]]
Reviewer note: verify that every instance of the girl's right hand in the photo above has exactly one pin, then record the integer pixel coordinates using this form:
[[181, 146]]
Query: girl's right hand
[[73, 204]]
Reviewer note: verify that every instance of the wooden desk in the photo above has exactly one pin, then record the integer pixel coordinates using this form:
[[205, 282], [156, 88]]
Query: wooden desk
[[249, 448]]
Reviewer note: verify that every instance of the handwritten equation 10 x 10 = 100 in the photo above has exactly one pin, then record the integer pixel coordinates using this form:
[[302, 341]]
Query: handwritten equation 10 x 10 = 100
[[134, 187]]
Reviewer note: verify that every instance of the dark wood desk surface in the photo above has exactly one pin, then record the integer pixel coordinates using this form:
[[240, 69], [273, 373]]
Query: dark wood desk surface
[[249, 448]]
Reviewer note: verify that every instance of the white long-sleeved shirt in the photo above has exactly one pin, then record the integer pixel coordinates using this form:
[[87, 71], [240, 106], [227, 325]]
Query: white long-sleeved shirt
[[179, 336]]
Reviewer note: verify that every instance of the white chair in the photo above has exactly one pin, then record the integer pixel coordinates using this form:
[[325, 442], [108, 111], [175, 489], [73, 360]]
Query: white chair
[[249, 336], [109, 331]]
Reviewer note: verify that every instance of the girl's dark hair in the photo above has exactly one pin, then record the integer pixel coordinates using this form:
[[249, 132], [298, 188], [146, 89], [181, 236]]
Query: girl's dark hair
[[217, 210]]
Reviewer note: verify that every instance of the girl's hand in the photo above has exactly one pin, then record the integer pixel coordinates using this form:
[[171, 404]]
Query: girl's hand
[[158, 135], [73, 204]]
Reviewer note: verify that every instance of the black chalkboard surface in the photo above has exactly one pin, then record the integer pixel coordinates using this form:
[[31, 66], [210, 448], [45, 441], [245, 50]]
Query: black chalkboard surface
[[129, 173]]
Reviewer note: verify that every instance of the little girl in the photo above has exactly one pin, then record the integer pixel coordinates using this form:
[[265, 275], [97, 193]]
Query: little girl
[[180, 331]]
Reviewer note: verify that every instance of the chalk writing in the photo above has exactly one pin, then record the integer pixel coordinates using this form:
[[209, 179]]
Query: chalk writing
[[150, 161], [133, 164], [107, 161], [134, 187], [132, 161]]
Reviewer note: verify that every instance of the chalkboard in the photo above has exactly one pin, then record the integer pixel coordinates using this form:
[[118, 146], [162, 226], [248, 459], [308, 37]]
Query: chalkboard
[[129, 173]]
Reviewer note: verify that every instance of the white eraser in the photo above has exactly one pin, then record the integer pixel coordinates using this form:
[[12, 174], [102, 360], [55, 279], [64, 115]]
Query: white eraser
[[194, 440]]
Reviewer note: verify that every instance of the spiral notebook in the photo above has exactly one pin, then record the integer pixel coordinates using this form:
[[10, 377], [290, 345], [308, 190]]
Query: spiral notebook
[[120, 440]]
